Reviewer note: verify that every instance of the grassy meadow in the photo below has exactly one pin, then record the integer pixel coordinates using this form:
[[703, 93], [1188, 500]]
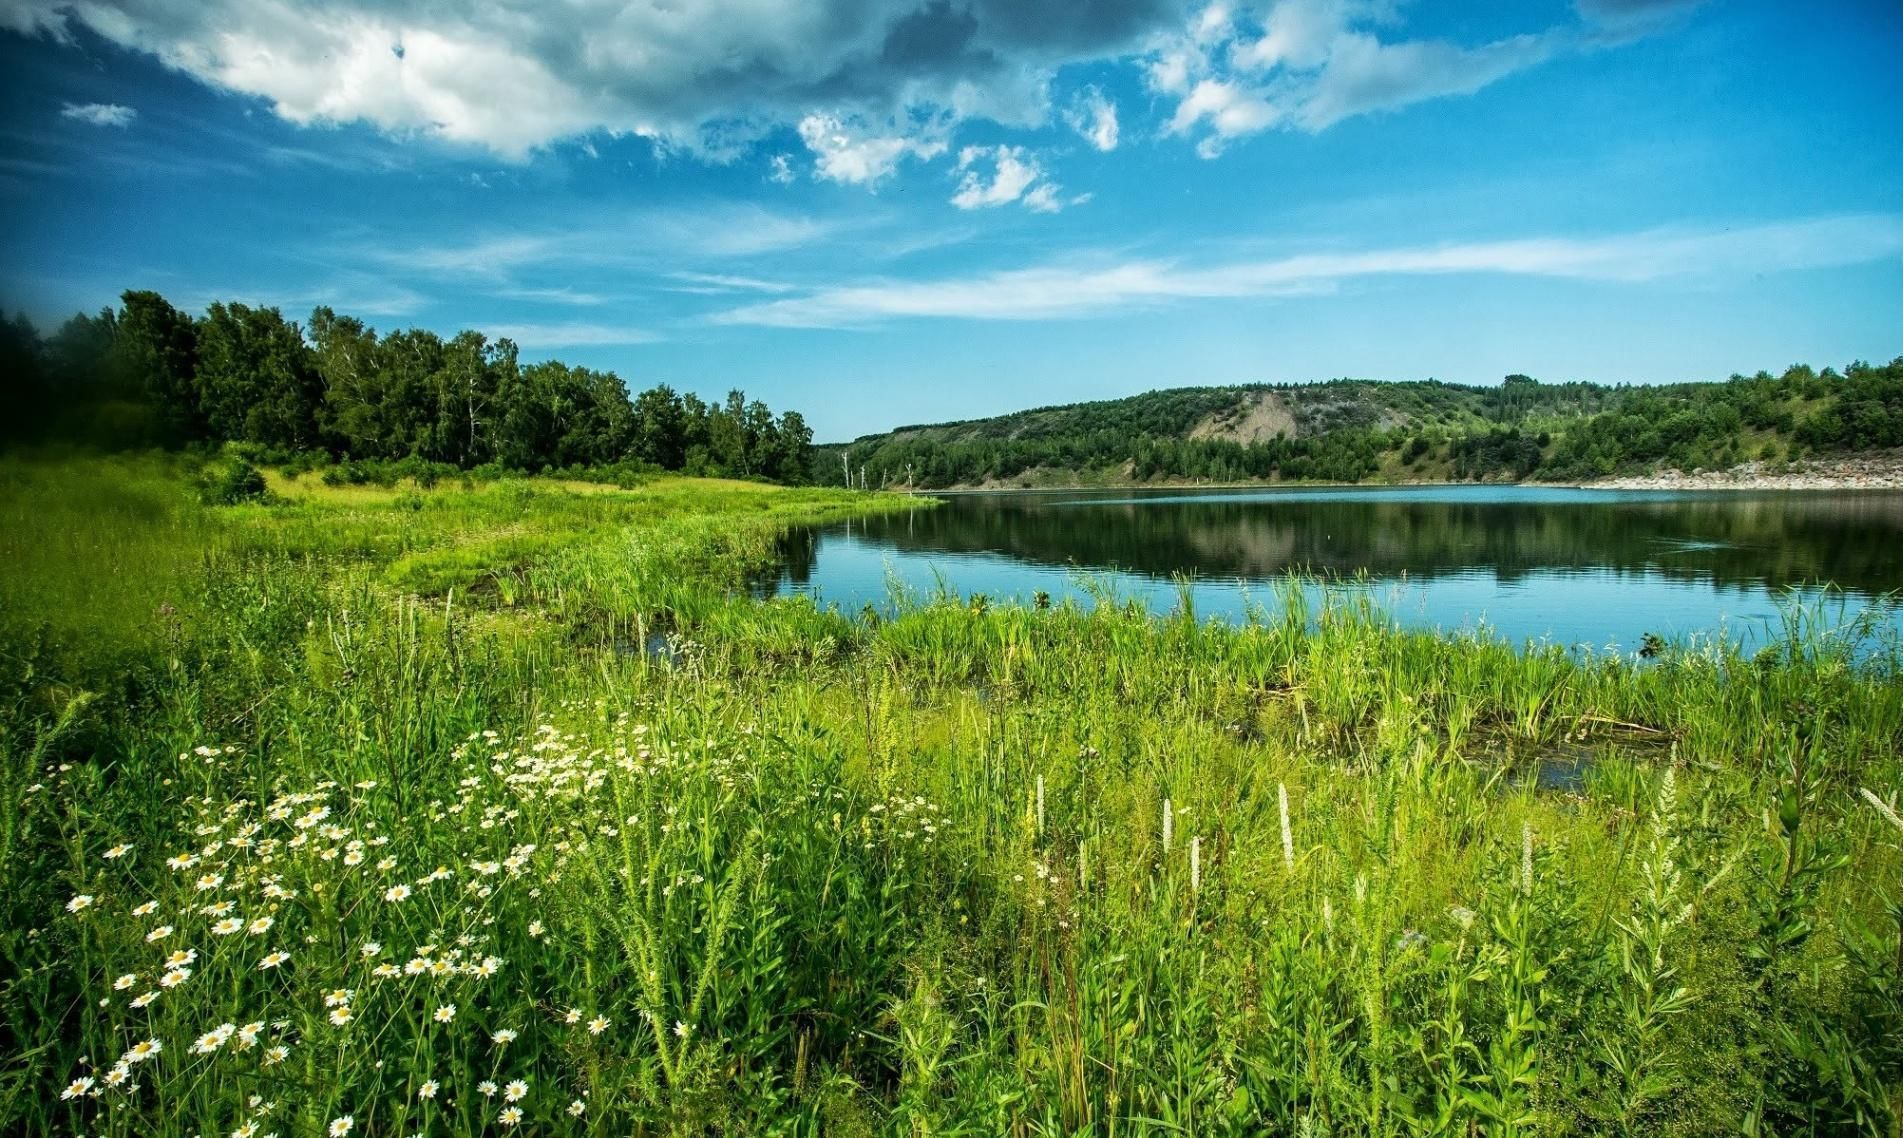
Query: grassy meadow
[[504, 808]]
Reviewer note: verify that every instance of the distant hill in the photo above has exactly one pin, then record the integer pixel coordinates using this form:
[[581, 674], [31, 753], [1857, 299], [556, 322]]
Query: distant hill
[[1364, 430]]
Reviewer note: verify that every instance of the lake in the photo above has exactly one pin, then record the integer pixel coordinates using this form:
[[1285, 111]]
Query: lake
[[1577, 566]]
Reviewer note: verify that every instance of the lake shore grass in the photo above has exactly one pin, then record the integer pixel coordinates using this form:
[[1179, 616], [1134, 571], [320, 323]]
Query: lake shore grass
[[463, 811]]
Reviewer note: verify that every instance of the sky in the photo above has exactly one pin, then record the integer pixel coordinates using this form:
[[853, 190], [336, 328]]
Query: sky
[[882, 212]]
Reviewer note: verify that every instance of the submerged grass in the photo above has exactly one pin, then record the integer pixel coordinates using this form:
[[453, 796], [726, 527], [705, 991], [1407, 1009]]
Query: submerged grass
[[371, 811]]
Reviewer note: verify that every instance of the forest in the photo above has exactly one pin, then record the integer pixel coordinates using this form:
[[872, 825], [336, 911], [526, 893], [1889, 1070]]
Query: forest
[[1356, 430], [151, 375]]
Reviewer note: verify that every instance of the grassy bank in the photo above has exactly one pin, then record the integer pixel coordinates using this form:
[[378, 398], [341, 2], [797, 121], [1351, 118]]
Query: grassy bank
[[462, 811]]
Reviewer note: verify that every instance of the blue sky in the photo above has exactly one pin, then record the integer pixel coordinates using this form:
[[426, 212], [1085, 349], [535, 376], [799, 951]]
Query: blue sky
[[891, 211]]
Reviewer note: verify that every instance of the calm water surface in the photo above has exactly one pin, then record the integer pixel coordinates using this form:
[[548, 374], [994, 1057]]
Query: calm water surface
[[1576, 566]]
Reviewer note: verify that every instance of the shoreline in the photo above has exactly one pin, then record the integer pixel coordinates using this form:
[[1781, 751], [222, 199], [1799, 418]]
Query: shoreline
[[1875, 471]]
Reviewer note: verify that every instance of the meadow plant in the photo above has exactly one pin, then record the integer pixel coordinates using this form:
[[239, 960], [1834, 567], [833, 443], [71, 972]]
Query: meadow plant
[[510, 808]]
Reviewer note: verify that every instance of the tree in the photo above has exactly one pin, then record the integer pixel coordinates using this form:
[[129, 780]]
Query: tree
[[156, 350], [256, 380], [660, 428]]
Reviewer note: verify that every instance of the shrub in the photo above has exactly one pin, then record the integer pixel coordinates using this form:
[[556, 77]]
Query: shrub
[[231, 482]]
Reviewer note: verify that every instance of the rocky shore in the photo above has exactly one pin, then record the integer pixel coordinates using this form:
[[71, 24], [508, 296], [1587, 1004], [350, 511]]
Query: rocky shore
[[1879, 470]]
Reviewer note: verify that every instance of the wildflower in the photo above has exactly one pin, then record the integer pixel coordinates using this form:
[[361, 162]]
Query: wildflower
[[145, 909], [276, 1055], [118, 1076], [218, 909], [124, 982], [504, 1037], [272, 960], [181, 861], [337, 997], [227, 926], [486, 1088], [260, 926], [341, 1015], [369, 949], [181, 958], [397, 893], [175, 977], [248, 1130], [210, 881], [681, 1030], [213, 1039], [386, 970], [77, 1087], [535, 928], [427, 1090], [445, 1014], [510, 1116], [118, 851], [341, 1126], [577, 1108], [158, 934], [573, 1016], [248, 1035], [515, 1090], [597, 1025], [83, 901], [141, 1051], [142, 1001]]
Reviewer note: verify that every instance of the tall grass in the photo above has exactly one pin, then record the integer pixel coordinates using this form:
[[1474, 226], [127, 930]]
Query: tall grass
[[440, 843]]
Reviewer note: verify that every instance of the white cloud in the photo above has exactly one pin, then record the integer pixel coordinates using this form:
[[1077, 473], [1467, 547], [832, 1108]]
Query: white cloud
[[710, 76], [1013, 172], [849, 150], [1057, 291], [569, 335], [1309, 64], [716, 283], [1231, 109], [634, 238], [781, 172], [867, 84], [1095, 117], [563, 295], [99, 114]]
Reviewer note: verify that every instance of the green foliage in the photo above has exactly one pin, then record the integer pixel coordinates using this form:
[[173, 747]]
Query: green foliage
[[527, 788], [1351, 431], [231, 482], [148, 374]]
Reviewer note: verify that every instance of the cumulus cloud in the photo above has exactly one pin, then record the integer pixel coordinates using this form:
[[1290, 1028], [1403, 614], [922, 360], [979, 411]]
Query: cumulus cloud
[[1094, 116], [1015, 176], [1309, 64], [711, 76], [867, 85], [1057, 291], [99, 114], [855, 152]]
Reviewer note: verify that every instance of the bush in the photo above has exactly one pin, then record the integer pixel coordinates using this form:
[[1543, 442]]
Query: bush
[[231, 482]]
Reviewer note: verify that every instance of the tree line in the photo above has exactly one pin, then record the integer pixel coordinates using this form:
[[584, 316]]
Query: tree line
[[149, 374]]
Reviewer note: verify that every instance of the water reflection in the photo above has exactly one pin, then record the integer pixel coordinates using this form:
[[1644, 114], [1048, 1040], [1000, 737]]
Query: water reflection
[[1463, 553]]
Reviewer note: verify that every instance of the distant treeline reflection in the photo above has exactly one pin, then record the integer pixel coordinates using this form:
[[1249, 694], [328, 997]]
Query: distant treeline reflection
[[1850, 540]]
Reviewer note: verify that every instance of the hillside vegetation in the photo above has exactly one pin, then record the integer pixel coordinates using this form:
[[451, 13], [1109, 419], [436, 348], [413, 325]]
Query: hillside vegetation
[[1356, 430]]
